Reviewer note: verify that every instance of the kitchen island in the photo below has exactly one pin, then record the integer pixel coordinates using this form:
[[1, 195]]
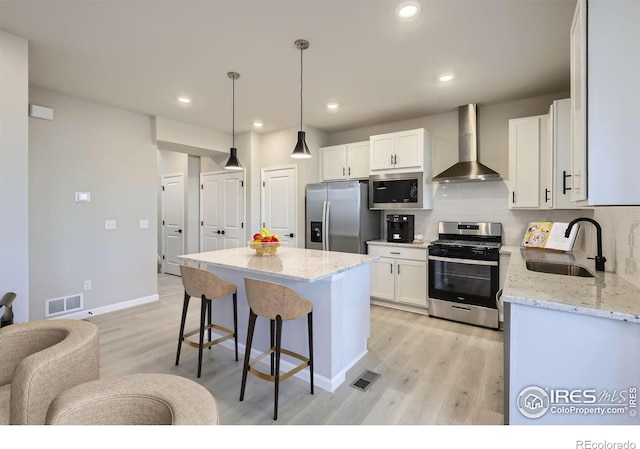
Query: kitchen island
[[337, 283], [571, 343]]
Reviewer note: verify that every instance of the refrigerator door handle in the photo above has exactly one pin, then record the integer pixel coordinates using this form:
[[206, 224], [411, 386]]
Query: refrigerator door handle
[[327, 208], [324, 224]]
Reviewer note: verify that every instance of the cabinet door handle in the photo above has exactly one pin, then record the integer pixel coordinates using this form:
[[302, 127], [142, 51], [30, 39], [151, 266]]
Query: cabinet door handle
[[395, 159], [565, 189], [393, 252], [398, 268], [546, 195], [391, 266], [392, 159], [343, 171], [349, 173], [513, 197]]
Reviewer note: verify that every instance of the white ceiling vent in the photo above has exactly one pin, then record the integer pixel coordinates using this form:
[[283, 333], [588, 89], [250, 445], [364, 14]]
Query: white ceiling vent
[[58, 306]]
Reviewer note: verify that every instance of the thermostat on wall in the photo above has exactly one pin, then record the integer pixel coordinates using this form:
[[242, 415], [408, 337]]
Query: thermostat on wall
[[40, 112], [83, 197]]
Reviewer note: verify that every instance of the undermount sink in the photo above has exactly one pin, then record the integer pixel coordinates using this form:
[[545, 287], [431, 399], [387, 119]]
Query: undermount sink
[[559, 268]]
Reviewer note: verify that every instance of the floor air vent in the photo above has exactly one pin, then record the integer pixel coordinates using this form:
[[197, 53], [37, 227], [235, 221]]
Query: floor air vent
[[365, 380], [58, 306]]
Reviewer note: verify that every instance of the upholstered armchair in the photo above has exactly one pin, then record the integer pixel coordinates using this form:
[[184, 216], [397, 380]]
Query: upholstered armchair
[[135, 399], [39, 360]]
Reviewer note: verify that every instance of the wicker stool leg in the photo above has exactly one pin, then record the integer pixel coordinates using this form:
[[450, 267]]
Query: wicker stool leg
[[247, 351], [277, 373], [235, 321], [203, 312], [310, 326], [185, 307]]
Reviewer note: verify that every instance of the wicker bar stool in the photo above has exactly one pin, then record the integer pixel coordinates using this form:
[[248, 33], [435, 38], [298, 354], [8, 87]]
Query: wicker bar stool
[[277, 303], [208, 287]]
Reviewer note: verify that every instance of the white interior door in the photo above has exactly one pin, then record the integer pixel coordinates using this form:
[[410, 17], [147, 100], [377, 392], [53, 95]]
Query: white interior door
[[172, 222], [222, 211], [279, 197], [211, 186], [233, 210]]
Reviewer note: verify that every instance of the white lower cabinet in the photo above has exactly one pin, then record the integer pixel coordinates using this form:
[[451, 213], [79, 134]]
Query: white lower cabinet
[[400, 275]]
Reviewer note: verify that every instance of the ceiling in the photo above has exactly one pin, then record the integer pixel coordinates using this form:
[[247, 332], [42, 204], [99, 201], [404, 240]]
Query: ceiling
[[139, 55]]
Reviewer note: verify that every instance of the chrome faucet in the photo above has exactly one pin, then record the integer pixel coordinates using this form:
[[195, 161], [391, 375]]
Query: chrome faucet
[[599, 259]]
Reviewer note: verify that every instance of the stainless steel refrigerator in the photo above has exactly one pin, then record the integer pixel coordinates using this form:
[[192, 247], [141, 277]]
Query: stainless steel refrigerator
[[338, 217]]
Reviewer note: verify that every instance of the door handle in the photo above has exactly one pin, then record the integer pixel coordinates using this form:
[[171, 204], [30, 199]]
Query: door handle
[[349, 172], [291, 235], [565, 189], [546, 195], [398, 268], [179, 231], [392, 159], [218, 231], [395, 159], [343, 171], [222, 232]]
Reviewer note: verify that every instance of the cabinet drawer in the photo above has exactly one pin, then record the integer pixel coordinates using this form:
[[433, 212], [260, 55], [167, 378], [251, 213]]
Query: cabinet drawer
[[397, 252]]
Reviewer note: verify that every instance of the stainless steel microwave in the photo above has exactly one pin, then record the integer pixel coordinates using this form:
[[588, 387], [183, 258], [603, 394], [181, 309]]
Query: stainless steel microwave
[[396, 191]]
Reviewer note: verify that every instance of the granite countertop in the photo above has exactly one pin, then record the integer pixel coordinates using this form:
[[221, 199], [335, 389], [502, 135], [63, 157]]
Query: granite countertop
[[423, 245], [605, 295], [298, 264]]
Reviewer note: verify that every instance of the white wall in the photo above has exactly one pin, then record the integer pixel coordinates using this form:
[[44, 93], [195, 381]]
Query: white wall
[[106, 151], [14, 172]]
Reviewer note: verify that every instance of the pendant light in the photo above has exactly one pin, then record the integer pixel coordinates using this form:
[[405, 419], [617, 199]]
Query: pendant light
[[232, 162], [301, 150]]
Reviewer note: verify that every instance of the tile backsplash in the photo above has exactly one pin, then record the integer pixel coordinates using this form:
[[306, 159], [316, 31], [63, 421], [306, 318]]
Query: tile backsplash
[[484, 201], [621, 240], [488, 201]]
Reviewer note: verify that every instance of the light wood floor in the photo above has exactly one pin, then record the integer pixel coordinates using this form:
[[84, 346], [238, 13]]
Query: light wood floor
[[432, 371]]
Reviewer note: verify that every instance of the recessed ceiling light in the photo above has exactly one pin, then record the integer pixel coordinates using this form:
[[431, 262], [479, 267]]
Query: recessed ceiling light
[[333, 106], [446, 77], [184, 99], [408, 10], [258, 124]]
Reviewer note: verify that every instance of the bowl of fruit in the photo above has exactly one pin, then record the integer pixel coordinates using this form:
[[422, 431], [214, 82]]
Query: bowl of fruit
[[264, 243]]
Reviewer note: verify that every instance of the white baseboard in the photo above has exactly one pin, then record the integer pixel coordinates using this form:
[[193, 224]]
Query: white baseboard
[[106, 309]]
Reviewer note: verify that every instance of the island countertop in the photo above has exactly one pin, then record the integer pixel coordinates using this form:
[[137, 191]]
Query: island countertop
[[299, 264], [606, 295]]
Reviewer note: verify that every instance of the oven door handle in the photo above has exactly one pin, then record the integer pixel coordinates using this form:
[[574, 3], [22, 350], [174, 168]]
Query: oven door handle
[[492, 263]]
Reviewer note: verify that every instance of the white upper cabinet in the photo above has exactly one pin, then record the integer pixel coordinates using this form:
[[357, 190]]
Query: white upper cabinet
[[401, 152], [604, 39], [350, 161], [529, 178], [578, 103], [560, 152], [540, 160]]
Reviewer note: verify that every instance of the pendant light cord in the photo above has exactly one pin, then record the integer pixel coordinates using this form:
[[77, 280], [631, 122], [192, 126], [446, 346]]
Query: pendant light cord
[[233, 114], [301, 50]]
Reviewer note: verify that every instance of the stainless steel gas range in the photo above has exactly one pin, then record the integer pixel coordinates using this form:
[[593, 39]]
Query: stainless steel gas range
[[464, 270]]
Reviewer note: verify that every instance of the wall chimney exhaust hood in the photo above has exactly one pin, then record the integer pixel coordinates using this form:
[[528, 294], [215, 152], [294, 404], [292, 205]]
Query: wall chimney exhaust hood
[[467, 168]]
